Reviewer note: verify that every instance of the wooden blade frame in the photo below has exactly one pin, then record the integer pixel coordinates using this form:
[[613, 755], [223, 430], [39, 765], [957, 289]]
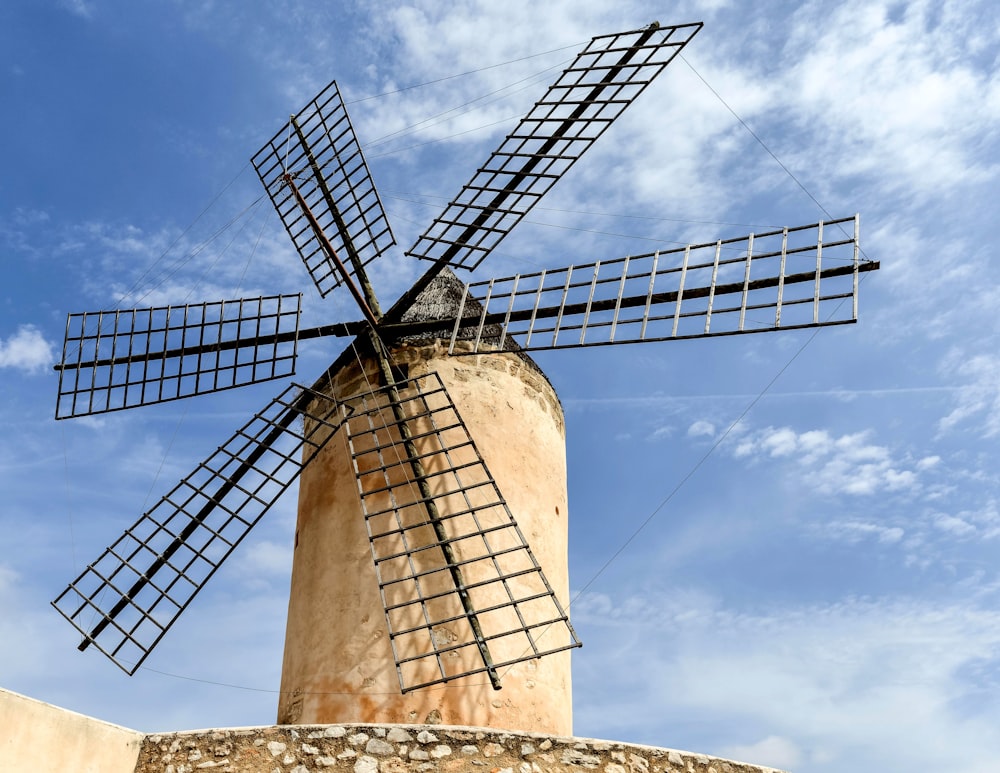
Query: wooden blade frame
[[125, 601], [602, 81], [113, 360], [785, 279], [462, 591], [320, 151]]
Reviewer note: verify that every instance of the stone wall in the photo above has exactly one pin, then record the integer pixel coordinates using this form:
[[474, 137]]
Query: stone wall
[[409, 748], [41, 738]]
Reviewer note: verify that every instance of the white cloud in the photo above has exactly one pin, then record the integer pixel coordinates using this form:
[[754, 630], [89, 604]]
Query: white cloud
[[780, 442], [986, 519], [266, 557], [26, 350], [928, 462], [863, 677], [169, 293], [91, 422], [662, 432], [856, 531], [701, 428], [953, 524], [218, 257], [848, 464], [436, 40], [979, 399], [79, 8], [773, 751], [922, 538], [901, 98], [8, 580]]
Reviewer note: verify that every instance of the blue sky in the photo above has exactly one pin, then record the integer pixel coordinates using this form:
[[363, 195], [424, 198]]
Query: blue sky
[[814, 587]]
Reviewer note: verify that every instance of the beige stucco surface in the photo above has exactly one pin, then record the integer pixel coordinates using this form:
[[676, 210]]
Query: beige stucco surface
[[338, 663], [41, 738]]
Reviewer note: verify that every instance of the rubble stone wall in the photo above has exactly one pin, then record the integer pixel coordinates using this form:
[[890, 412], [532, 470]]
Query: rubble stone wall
[[409, 749], [40, 738]]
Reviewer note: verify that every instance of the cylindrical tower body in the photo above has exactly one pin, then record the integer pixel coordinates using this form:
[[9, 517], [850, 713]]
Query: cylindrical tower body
[[338, 665]]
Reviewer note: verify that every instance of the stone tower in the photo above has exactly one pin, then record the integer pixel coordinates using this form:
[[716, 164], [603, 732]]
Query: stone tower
[[338, 665]]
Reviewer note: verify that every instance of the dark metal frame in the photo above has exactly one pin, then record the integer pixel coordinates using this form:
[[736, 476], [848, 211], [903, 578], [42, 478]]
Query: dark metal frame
[[113, 360], [139, 586], [787, 278], [318, 149], [414, 546], [589, 95]]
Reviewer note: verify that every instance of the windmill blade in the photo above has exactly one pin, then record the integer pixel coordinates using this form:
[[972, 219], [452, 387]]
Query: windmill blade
[[462, 591], [120, 359], [125, 601], [590, 94], [317, 154], [799, 277]]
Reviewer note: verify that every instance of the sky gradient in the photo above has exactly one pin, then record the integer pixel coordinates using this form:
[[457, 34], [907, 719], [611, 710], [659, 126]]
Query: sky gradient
[[784, 547]]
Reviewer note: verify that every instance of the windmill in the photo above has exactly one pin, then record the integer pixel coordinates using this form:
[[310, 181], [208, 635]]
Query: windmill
[[457, 589]]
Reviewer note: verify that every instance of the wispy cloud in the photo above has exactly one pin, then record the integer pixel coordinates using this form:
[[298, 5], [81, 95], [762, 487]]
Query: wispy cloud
[[980, 522], [979, 399], [18, 227], [926, 104], [857, 531], [774, 751], [934, 535], [81, 8], [701, 428], [265, 560], [823, 678], [211, 260], [848, 464], [658, 399]]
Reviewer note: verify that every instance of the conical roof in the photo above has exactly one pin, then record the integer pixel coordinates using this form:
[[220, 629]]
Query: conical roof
[[411, 322]]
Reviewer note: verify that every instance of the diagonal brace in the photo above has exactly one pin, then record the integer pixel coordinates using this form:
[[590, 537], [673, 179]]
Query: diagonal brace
[[433, 514]]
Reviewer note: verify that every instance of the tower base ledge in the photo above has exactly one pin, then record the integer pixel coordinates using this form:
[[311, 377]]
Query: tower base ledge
[[405, 748]]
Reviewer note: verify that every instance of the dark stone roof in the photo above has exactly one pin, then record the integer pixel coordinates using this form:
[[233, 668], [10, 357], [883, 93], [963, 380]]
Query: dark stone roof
[[440, 299]]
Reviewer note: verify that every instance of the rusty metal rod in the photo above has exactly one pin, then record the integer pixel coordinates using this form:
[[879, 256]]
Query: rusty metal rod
[[328, 248], [338, 219]]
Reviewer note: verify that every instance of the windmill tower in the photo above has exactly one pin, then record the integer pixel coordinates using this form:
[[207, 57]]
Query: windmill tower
[[430, 555], [496, 408]]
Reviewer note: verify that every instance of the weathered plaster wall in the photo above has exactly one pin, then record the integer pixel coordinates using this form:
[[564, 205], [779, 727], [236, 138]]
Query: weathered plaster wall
[[410, 748], [338, 663], [38, 737]]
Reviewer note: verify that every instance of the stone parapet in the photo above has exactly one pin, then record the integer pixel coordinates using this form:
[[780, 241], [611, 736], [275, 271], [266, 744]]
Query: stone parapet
[[409, 748]]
